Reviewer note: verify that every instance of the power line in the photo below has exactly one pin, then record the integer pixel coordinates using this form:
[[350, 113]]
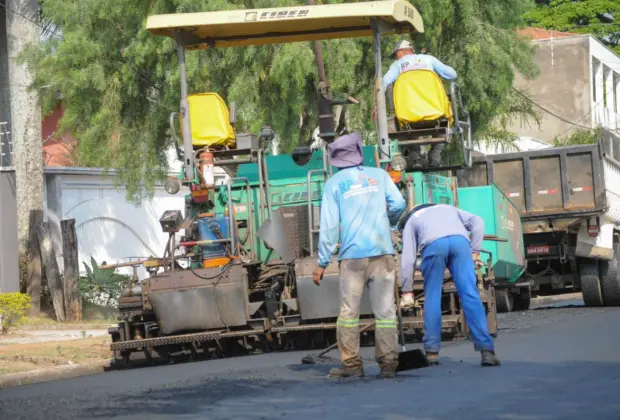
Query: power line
[[30, 20], [549, 112], [592, 108]]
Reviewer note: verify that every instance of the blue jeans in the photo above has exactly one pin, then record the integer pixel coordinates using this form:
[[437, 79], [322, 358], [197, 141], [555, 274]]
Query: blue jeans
[[455, 253]]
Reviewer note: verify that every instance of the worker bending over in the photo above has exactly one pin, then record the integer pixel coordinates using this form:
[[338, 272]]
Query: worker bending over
[[407, 60], [362, 202], [440, 232]]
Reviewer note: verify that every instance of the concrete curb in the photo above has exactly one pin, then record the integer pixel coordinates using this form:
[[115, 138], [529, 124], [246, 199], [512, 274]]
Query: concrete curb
[[64, 327], [544, 300], [11, 380]]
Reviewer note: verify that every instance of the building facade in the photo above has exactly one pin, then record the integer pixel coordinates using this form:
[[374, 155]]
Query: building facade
[[578, 86]]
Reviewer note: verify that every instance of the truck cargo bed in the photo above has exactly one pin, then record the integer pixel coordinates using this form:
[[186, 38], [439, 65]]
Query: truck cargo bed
[[551, 188]]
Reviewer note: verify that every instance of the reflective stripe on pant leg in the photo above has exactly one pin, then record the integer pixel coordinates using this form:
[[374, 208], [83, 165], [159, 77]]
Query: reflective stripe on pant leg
[[352, 283], [433, 267], [463, 273], [348, 323], [382, 275]]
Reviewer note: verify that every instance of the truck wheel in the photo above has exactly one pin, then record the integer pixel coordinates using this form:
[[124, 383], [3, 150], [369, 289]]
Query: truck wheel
[[590, 284], [610, 279], [505, 300]]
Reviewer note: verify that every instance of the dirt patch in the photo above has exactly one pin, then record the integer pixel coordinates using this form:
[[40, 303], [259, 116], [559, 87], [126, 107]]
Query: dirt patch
[[26, 357]]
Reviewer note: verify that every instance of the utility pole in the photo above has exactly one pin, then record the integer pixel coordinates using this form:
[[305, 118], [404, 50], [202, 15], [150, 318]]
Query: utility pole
[[22, 30]]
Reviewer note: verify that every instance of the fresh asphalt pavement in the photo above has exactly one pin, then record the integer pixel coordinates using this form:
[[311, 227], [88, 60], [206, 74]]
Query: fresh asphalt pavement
[[558, 363]]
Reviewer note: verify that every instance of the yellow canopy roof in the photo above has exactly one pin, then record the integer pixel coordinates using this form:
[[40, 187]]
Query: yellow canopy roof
[[233, 28]]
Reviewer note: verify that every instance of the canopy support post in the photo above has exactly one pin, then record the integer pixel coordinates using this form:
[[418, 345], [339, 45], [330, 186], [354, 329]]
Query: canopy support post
[[188, 158], [382, 140]]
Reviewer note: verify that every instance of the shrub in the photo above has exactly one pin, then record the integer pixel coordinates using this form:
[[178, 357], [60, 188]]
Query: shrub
[[13, 308], [101, 286]]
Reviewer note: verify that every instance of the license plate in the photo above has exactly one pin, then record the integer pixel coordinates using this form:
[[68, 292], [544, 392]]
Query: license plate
[[538, 249]]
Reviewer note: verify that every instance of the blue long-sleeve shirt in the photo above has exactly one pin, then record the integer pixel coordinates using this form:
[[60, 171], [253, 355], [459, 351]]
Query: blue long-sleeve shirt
[[359, 205], [417, 62], [431, 223]]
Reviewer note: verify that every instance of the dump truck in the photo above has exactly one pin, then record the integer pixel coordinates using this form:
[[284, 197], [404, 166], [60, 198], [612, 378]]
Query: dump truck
[[568, 199], [236, 275]]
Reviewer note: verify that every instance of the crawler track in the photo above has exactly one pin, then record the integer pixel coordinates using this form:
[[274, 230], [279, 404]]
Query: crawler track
[[218, 344]]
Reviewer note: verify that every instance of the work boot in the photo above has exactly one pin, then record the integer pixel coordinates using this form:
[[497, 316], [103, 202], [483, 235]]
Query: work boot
[[416, 164], [488, 358], [434, 155], [413, 157], [347, 371], [388, 369], [432, 357], [406, 300], [433, 163]]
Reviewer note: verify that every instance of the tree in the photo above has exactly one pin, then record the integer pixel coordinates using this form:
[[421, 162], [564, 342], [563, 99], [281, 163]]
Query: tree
[[581, 136], [121, 83], [22, 29], [600, 18]]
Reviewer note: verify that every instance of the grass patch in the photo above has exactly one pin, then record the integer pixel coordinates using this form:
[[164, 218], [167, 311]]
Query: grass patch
[[26, 357]]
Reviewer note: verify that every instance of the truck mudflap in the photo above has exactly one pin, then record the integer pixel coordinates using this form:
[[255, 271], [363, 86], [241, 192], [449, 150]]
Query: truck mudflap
[[595, 239]]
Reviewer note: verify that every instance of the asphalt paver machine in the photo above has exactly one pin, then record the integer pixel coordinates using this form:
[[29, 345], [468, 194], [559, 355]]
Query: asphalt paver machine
[[236, 275]]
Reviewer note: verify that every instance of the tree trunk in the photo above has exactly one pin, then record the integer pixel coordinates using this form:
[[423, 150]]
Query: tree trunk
[[51, 269], [73, 301], [34, 271], [25, 124]]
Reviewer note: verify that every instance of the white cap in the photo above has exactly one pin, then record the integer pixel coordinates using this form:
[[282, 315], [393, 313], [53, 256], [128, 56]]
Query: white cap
[[401, 45]]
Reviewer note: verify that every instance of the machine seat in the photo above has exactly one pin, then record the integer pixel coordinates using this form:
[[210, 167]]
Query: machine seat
[[420, 100], [210, 121]]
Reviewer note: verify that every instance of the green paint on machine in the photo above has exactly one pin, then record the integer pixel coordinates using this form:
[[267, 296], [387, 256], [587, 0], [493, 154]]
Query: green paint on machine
[[501, 219], [289, 189]]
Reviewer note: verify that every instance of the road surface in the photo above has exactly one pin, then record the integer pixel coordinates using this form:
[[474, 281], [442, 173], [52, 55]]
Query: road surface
[[558, 363]]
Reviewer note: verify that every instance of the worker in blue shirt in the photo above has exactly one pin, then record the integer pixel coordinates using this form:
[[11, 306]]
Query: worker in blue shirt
[[441, 233], [407, 60], [359, 206]]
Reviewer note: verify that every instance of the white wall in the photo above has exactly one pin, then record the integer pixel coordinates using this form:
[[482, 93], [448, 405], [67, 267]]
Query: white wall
[[605, 68], [108, 227]]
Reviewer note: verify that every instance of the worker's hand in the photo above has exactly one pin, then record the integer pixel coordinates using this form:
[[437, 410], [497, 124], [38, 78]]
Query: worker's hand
[[317, 275], [477, 261]]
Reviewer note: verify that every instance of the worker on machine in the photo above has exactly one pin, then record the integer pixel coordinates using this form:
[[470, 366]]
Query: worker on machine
[[441, 233], [361, 203], [407, 60]]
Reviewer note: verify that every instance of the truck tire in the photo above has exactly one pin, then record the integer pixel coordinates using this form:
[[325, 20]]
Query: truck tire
[[610, 279], [505, 300], [590, 284]]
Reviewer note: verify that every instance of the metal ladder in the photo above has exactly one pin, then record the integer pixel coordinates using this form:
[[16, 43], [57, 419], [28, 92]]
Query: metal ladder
[[326, 174], [256, 156]]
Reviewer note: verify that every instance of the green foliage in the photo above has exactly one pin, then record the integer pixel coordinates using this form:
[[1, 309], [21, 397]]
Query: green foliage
[[600, 18], [13, 308], [120, 83], [101, 286], [581, 136], [516, 109]]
